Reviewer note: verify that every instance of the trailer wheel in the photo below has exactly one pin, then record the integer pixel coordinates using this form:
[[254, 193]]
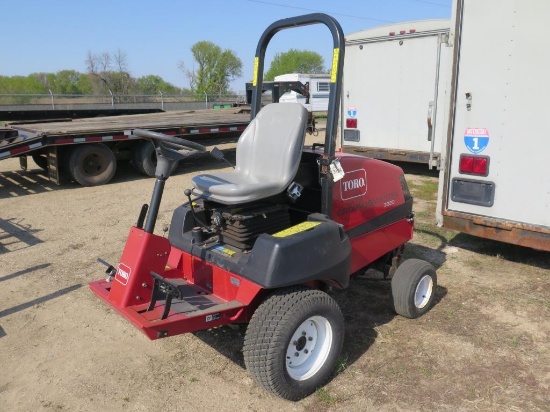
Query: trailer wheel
[[293, 341], [41, 160], [413, 288], [145, 159], [92, 164]]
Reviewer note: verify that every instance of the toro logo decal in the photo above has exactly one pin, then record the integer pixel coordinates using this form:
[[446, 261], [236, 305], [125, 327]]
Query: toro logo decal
[[123, 273], [354, 184], [476, 139]]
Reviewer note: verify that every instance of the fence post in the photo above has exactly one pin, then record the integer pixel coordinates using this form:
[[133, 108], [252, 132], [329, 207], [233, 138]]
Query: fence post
[[112, 98], [53, 104], [161, 101], [206, 99]]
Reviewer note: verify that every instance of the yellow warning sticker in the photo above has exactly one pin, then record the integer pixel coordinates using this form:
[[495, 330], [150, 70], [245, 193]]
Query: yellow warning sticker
[[255, 76], [300, 227], [334, 70]]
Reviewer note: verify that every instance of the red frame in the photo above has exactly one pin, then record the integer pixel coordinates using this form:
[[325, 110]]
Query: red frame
[[129, 291]]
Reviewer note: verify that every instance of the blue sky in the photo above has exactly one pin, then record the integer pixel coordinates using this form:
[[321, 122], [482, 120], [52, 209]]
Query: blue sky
[[47, 36]]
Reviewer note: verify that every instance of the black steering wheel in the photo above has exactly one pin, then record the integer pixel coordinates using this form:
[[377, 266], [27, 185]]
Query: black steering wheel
[[171, 140]]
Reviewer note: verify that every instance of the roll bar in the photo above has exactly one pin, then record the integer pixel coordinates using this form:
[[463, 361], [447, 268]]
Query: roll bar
[[335, 87]]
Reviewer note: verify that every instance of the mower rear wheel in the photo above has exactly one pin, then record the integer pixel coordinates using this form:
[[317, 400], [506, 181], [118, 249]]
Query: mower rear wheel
[[293, 341], [92, 164], [413, 288]]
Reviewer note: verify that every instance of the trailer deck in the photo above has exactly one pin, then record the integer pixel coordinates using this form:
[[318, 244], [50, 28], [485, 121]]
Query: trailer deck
[[186, 123], [88, 149]]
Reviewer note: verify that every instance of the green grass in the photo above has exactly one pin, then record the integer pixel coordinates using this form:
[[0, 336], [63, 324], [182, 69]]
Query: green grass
[[426, 190], [325, 397]]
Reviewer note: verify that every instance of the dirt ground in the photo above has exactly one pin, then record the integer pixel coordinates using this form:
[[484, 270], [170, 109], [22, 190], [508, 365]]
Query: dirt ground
[[483, 346]]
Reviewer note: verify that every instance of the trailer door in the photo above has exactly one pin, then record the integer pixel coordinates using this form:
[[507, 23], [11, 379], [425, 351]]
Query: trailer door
[[390, 88], [498, 180]]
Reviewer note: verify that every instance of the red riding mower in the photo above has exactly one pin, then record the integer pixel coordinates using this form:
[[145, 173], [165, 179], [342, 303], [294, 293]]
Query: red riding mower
[[263, 243]]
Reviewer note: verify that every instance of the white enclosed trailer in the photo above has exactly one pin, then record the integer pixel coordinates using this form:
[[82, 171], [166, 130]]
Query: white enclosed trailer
[[496, 177], [395, 80], [318, 85]]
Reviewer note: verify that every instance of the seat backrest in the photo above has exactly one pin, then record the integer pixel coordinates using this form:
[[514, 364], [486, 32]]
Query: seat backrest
[[270, 148]]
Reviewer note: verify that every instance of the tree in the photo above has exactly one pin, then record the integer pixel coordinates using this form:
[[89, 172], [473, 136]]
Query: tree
[[153, 84], [295, 61], [109, 71], [216, 68]]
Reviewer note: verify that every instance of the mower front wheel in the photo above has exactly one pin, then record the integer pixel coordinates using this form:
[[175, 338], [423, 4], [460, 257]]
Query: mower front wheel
[[293, 341], [413, 288]]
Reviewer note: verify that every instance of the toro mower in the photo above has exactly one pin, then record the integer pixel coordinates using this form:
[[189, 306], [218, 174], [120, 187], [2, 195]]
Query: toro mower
[[263, 243]]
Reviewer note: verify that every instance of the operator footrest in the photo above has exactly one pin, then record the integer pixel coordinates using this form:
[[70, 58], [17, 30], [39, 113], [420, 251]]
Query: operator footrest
[[170, 289]]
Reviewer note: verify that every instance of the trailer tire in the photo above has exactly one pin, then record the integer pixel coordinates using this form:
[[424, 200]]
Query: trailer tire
[[92, 164], [144, 159], [293, 341], [413, 288], [41, 160]]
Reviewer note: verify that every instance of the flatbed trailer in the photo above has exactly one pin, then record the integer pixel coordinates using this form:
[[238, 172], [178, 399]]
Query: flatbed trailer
[[88, 149]]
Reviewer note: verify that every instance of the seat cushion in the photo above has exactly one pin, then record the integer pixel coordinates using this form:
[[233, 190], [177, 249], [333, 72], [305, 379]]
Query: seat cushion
[[231, 188]]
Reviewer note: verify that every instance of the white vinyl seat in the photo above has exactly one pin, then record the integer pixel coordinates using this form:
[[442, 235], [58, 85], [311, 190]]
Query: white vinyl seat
[[268, 156]]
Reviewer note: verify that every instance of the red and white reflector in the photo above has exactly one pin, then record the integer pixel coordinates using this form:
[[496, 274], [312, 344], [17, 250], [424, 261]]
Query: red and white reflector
[[351, 123], [474, 165]]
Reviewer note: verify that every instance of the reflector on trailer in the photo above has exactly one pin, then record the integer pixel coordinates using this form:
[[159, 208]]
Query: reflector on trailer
[[351, 123], [474, 165]]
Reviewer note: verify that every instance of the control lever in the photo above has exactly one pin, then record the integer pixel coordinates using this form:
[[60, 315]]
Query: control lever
[[218, 155], [187, 193]]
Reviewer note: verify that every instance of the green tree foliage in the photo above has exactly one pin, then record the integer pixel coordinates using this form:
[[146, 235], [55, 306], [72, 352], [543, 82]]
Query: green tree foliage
[[152, 84], [295, 61], [216, 68], [21, 85]]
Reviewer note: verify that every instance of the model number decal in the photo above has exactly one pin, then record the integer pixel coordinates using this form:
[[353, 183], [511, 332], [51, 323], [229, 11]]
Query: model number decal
[[385, 200], [214, 316]]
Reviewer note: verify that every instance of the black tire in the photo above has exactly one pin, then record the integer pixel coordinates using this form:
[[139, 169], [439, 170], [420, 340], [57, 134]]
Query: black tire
[[413, 288], [41, 160], [274, 340], [144, 159], [92, 164]]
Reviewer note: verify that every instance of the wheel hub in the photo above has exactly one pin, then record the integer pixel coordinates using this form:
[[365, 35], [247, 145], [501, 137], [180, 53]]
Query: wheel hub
[[424, 291], [93, 165], [308, 348]]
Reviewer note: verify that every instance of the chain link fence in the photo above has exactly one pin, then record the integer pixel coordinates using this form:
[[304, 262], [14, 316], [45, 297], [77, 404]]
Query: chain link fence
[[134, 101]]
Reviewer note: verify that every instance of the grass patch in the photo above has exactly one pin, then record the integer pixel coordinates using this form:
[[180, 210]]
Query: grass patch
[[342, 364], [325, 397], [426, 190]]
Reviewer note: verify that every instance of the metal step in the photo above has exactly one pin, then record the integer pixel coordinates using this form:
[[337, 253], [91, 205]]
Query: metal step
[[177, 296]]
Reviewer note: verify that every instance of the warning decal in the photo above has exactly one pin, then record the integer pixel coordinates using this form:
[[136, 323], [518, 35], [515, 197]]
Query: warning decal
[[300, 227], [334, 71], [476, 139]]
